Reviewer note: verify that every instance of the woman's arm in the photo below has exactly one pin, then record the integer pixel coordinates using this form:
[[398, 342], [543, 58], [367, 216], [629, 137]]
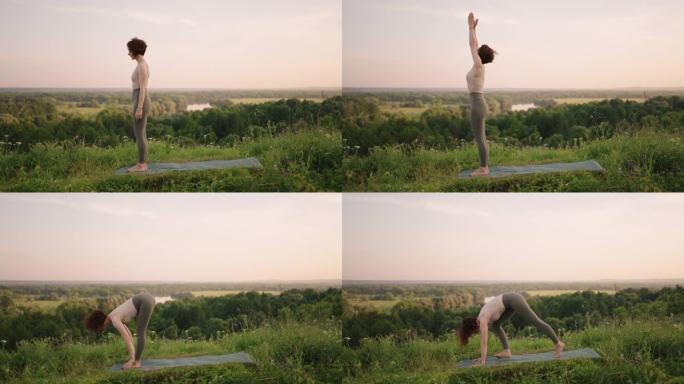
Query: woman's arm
[[484, 336], [142, 81], [472, 24], [126, 334]]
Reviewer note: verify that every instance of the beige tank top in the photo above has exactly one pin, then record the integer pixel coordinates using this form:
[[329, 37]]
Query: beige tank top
[[475, 79], [492, 309], [134, 76], [124, 312]]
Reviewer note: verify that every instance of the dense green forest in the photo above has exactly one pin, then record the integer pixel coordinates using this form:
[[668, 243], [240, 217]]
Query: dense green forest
[[187, 317], [34, 118], [366, 126]]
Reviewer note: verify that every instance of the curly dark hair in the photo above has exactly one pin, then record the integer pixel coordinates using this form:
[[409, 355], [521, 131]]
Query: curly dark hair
[[468, 328], [95, 321], [137, 46], [486, 53]]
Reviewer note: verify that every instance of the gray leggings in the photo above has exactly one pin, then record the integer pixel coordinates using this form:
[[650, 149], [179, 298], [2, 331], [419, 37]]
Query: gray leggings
[[516, 303], [478, 111], [140, 125], [144, 304]]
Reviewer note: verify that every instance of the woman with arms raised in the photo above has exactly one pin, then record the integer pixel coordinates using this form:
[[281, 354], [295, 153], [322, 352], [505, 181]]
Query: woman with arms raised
[[478, 106]]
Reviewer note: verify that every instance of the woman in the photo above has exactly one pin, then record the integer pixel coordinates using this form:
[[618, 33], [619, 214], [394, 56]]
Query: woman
[[478, 105], [139, 306], [496, 311], [141, 100]]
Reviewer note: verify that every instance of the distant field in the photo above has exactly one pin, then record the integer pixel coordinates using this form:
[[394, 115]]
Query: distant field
[[45, 305], [584, 100], [85, 111], [261, 100], [557, 292], [378, 304], [410, 112], [224, 293]]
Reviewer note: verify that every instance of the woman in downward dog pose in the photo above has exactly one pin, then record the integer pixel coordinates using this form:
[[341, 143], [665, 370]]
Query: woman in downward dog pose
[[478, 105], [141, 101], [497, 310], [139, 306]]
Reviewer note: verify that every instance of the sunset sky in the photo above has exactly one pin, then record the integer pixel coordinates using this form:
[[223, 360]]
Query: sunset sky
[[541, 44], [201, 44], [522, 237], [170, 237]]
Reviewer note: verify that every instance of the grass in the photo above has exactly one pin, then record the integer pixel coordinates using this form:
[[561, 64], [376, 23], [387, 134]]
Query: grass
[[646, 162], [558, 292], [288, 353], [83, 111], [635, 352], [227, 292], [43, 305], [381, 305], [300, 161], [584, 100], [261, 100]]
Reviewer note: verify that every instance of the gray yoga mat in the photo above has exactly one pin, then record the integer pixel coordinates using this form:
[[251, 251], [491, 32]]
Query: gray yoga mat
[[502, 171], [152, 364], [249, 162], [584, 353]]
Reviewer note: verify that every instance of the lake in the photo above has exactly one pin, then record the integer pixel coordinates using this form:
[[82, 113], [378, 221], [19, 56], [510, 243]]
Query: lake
[[162, 299], [522, 107], [198, 107]]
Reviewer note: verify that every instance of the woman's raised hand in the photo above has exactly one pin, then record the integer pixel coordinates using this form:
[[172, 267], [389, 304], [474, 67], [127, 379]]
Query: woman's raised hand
[[472, 21]]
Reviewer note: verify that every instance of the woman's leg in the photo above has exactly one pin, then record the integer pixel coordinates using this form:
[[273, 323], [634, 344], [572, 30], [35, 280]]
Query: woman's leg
[[140, 127], [520, 306], [478, 111], [142, 320]]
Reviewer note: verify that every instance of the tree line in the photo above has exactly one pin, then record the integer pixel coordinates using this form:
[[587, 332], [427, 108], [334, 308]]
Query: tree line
[[437, 318], [27, 120], [365, 126], [190, 318]]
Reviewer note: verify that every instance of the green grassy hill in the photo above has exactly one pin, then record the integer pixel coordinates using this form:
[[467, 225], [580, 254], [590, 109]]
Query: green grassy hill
[[642, 162], [301, 161], [635, 352], [289, 353]]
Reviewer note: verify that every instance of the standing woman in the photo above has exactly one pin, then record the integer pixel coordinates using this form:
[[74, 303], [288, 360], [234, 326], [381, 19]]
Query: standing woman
[[141, 101], [139, 306], [478, 105], [496, 311]]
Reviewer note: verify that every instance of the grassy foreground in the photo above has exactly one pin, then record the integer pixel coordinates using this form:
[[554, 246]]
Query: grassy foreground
[[635, 352], [290, 353], [300, 161], [646, 162]]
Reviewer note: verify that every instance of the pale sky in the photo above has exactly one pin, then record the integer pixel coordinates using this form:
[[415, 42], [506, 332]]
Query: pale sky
[[170, 237], [191, 44], [522, 237], [541, 44]]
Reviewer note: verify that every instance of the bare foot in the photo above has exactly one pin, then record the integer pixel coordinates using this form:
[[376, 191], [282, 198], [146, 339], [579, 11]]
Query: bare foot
[[137, 168], [506, 353], [482, 171], [559, 349], [131, 364]]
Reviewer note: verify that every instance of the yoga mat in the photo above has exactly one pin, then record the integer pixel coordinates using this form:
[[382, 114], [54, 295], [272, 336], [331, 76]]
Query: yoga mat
[[503, 171], [152, 364], [249, 162], [584, 353]]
